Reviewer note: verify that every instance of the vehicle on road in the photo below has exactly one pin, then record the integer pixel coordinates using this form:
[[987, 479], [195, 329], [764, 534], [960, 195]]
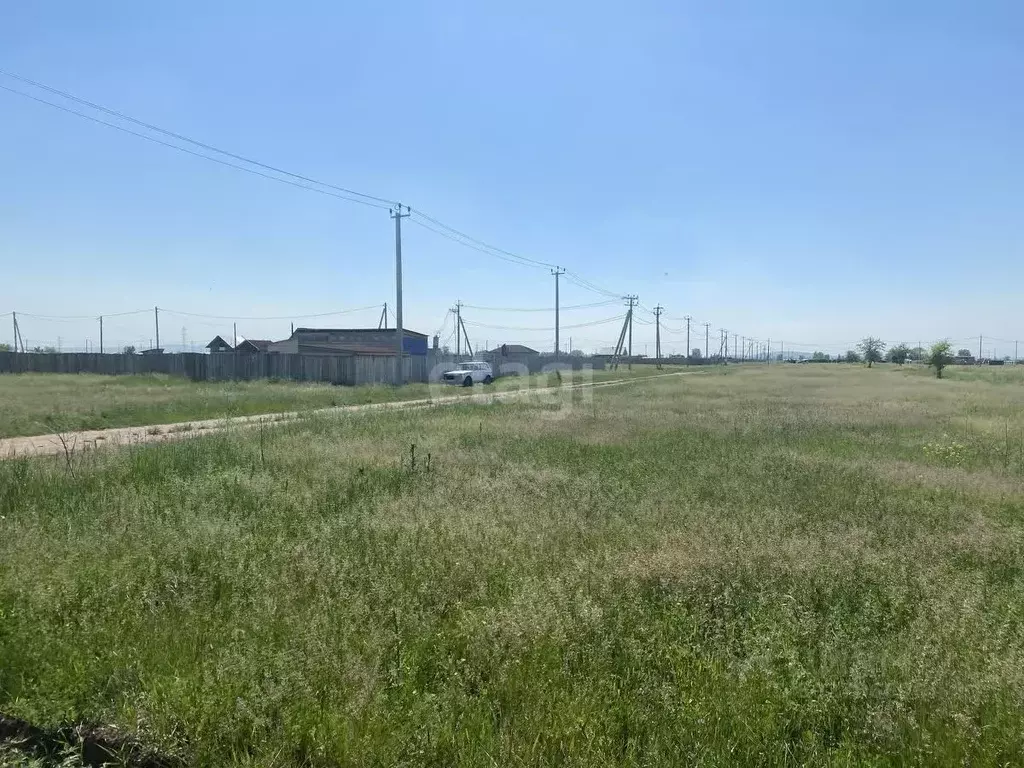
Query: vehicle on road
[[468, 374]]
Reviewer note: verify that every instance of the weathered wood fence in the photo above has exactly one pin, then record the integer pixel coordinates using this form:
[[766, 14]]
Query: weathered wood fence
[[229, 366]]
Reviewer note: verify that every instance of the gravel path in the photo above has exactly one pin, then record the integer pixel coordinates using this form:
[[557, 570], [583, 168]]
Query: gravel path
[[48, 445]]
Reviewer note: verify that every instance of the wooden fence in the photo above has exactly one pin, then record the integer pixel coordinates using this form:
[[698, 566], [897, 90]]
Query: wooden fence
[[228, 366], [334, 369]]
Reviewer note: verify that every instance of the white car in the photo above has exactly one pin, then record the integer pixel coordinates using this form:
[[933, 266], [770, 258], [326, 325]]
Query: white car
[[469, 374]]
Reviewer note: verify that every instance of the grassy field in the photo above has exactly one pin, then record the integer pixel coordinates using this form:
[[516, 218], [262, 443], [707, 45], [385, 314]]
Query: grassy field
[[765, 566], [36, 403]]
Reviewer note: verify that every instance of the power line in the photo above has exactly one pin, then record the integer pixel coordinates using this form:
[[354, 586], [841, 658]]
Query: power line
[[295, 179], [500, 255], [277, 317], [194, 142], [490, 248], [189, 151], [542, 309], [534, 328]]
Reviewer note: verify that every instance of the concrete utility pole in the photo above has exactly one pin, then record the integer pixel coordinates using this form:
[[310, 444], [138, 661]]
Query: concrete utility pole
[[633, 299], [1015, 353], [768, 352], [156, 317], [979, 349], [688, 350], [657, 333], [735, 349], [556, 272], [707, 327], [397, 215], [234, 335], [101, 334], [458, 328], [383, 322]]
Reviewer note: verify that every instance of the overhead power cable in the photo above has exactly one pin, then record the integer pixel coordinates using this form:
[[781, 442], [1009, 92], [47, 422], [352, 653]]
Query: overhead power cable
[[277, 317], [194, 142], [188, 151], [543, 309], [563, 327]]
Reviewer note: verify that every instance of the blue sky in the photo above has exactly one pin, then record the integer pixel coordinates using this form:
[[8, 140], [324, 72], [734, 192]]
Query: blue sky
[[807, 171]]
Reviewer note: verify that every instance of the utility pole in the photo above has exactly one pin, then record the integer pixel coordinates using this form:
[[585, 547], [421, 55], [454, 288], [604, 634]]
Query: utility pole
[[632, 298], [688, 350], [743, 350], [101, 334], [707, 327], [383, 322], [1015, 353], [156, 318], [234, 335], [458, 328], [735, 348], [768, 352], [556, 272], [979, 349], [397, 215], [657, 333]]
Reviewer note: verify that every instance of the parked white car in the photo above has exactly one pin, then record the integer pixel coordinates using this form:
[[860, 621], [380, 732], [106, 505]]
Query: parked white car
[[468, 374]]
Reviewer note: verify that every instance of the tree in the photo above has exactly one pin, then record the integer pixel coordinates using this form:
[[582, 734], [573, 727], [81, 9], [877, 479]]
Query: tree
[[820, 357], [872, 349], [917, 353], [898, 354], [5, 347], [696, 354], [963, 352], [939, 356], [577, 353], [129, 350], [852, 357], [45, 350]]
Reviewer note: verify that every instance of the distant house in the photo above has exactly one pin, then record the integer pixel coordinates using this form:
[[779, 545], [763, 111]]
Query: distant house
[[512, 350], [150, 352], [218, 345], [349, 341], [252, 346]]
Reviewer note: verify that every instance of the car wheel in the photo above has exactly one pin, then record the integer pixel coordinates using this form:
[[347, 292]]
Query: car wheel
[[468, 382], [488, 380]]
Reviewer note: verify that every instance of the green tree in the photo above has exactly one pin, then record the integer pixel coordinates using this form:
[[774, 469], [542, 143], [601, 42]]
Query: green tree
[[852, 357], [5, 347], [129, 350], [939, 356], [872, 349], [696, 354], [820, 357], [898, 354]]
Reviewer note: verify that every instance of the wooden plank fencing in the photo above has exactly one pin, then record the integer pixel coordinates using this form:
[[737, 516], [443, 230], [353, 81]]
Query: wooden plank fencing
[[334, 369]]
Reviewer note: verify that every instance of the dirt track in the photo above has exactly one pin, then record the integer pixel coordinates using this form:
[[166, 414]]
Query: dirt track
[[48, 445]]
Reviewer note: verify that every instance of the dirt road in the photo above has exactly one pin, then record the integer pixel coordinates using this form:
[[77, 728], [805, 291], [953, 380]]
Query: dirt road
[[48, 445]]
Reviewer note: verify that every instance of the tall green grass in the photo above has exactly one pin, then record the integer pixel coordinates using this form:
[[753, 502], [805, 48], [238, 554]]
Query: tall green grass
[[765, 567]]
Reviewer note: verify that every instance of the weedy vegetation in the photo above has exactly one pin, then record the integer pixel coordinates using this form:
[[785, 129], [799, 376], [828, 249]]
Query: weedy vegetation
[[44, 403], [774, 566]]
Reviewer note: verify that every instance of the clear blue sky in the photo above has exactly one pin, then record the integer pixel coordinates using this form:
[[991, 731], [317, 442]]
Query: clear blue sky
[[810, 171]]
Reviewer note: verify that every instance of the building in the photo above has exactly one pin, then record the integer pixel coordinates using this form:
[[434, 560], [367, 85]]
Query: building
[[253, 346], [348, 341], [218, 345], [512, 350]]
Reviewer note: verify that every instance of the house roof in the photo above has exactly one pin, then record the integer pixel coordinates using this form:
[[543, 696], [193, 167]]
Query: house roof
[[345, 348], [260, 344], [218, 343], [513, 349], [405, 331]]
